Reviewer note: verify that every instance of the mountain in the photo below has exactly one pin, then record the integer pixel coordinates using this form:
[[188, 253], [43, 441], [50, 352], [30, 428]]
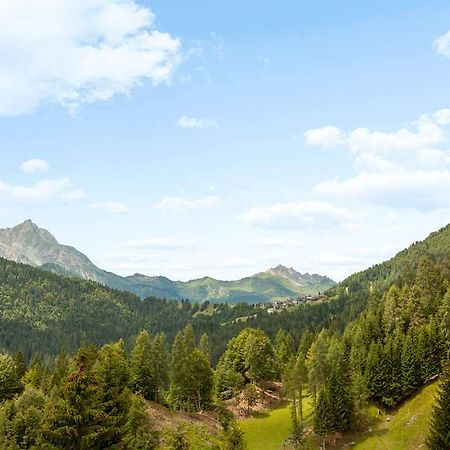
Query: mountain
[[27, 243]]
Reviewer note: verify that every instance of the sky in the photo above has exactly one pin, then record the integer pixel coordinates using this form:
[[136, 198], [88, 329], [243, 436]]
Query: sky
[[193, 138]]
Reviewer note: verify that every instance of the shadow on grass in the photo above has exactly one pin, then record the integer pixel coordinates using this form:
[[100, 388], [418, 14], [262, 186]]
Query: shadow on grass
[[260, 415], [266, 413]]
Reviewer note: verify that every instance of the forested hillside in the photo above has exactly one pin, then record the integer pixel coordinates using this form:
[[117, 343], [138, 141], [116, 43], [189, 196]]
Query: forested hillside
[[42, 312], [374, 341]]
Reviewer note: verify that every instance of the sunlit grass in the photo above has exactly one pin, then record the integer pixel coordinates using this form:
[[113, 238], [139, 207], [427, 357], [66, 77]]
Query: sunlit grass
[[269, 429], [408, 427]]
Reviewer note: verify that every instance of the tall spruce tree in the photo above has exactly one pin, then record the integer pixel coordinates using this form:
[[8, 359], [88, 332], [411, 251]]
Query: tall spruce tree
[[439, 438]]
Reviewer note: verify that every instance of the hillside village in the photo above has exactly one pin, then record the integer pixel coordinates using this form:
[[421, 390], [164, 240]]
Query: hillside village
[[281, 305]]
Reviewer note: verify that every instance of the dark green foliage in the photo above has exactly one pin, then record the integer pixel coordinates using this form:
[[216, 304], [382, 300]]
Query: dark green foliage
[[205, 346], [89, 406], [250, 355], [323, 418], [439, 437], [21, 365], [192, 379], [178, 439], [149, 366], [234, 438], [42, 312], [139, 434], [10, 383]]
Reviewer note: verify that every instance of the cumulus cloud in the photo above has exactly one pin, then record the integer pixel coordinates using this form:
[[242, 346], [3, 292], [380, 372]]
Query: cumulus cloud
[[34, 165], [199, 124], [408, 167], [184, 204], [418, 189], [326, 136], [417, 143], [58, 189], [75, 52], [442, 44], [295, 214], [110, 207]]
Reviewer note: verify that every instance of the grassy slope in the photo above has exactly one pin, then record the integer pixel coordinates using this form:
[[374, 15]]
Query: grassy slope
[[268, 430], [406, 430], [255, 289]]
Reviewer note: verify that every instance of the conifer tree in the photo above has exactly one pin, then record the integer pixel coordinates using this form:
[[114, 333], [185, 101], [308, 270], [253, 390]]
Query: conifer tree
[[75, 420], [284, 347], [205, 346], [9, 379], [323, 417], [34, 374], [439, 437], [149, 365], [410, 366], [21, 365]]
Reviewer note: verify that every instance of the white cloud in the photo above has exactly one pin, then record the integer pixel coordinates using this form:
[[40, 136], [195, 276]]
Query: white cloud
[[34, 165], [305, 213], [326, 136], [58, 189], [159, 244], [75, 52], [183, 204], [199, 124], [418, 142], [408, 167], [110, 207], [418, 189], [442, 44]]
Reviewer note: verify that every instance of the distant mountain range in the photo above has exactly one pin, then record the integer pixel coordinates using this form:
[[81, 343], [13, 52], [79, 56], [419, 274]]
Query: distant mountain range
[[27, 243]]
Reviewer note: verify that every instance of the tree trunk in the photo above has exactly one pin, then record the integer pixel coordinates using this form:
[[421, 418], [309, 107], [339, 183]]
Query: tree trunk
[[300, 402]]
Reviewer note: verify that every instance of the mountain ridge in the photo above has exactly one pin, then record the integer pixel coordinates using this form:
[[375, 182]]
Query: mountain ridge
[[29, 244]]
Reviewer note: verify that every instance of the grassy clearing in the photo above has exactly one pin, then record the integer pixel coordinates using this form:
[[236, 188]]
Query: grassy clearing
[[269, 429], [406, 429]]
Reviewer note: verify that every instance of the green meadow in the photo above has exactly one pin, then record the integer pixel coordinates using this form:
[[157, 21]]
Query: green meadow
[[405, 429], [269, 429]]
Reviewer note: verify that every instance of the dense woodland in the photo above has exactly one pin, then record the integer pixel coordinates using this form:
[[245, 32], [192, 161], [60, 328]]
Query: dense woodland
[[79, 360]]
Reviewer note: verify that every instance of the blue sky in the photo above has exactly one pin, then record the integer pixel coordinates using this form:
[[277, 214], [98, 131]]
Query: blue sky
[[220, 138]]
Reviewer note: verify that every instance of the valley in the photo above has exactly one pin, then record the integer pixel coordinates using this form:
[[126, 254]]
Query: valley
[[364, 359]]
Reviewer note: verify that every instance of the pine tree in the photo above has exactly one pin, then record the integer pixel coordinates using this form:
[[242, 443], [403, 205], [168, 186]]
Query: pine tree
[[439, 438], [60, 369], [410, 366], [75, 420], [9, 379], [205, 346], [192, 379], [340, 403], [160, 358], [317, 363], [373, 372], [139, 434], [149, 365], [34, 374], [21, 365], [113, 376], [323, 417], [284, 347], [297, 436]]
